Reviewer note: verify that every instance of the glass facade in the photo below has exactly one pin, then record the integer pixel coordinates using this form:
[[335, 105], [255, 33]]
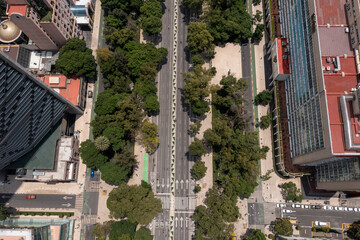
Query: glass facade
[[302, 97], [344, 169]]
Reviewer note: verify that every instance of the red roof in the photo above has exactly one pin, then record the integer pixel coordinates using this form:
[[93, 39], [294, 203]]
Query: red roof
[[66, 87], [17, 9], [283, 62]]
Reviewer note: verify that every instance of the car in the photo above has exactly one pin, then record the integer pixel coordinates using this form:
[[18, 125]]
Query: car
[[328, 208], [307, 206], [356, 209], [327, 202], [280, 205], [350, 209], [318, 223], [90, 94], [293, 205], [346, 209], [336, 208], [317, 207], [302, 206], [287, 211], [92, 173], [30, 196], [341, 209], [289, 201]]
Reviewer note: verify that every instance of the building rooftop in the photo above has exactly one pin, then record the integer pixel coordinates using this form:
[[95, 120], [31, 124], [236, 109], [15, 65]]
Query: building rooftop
[[69, 88], [16, 234], [21, 8], [336, 50], [11, 51]]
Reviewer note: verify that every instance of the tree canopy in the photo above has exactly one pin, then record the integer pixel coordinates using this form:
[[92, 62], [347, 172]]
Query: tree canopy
[[151, 17], [265, 121], [197, 88], [198, 170], [354, 231], [121, 229], [102, 230], [212, 220], [263, 98], [283, 227], [256, 234], [199, 39], [197, 148], [76, 59], [91, 155], [136, 203], [291, 192], [114, 174], [4, 213], [149, 132]]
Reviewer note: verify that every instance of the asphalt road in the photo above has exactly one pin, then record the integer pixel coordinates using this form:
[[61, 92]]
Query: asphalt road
[[159, 162], [41, 201], [185, 199]]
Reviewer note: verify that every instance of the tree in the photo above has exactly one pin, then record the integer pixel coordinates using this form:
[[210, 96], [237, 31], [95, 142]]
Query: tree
[[118, 38], [121, 229], [149, 133], [354, 230], [258, 34], [291, 192], [125, 159], [197, 148], [198, 170], [257, 17], [265, 121], [256, 234], [197, 188], [193, 5], [91, 155], [196, 89], [4, 214], [197, 60], [263, 98], [116, 19], [256, 2], [114, 174], [143, 234], [195, 127], [199, 39], [151, 103], [152, 25], [106, 102], [76, 59], [212, 220], [116, 136], [134, 202], [102, 143], [101, 231], [283, 227]]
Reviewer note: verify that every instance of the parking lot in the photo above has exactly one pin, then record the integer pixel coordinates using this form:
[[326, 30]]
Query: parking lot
[[308, 216]]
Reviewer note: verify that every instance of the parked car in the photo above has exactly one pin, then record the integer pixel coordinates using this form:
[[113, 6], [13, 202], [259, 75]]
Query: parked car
[[327, 202], [289, 201], [336, 208], [90, 94], [350, 209], [298, 206], [356, 209], [307, 206], [341, 209], [302, 206], [30, 196], [280, 205], [92, 173], [328, 208], [318, 223], [287, 211], [346, 209]]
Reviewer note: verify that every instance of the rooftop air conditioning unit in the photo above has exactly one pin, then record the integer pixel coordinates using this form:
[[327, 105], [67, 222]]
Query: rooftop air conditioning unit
[[328, 59], [328, 68]]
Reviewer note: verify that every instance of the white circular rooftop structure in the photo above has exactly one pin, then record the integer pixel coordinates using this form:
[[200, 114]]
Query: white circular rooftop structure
[[9, 32]]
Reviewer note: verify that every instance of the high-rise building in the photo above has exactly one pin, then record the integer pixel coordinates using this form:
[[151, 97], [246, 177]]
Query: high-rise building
[[48, 23], [315, 59], [29, 110]]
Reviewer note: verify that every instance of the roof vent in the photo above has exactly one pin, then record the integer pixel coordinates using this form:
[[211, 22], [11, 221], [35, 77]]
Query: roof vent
[[328, 25], [328, 68], [342, 74], [345, 56], [328, 59], [323, 68]]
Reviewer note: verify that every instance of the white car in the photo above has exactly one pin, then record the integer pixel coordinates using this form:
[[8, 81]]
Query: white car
[[298, 206], [346, 209], [341, 209], [328, 208], [336, 208], [293, 205], [287, 211], [307, 206], [350, 209], [356, 209], [280, 205], [302, 206]]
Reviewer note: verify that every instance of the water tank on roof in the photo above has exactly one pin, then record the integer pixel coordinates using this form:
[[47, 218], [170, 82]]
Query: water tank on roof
[[9, 32]]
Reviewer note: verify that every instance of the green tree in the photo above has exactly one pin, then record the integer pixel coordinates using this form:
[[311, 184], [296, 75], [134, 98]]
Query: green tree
[[145, 88], [354, 230], [283, 227], [101, 231], [151, 25], [118, 38], [193, 5], [4, 213], [197, 148], [149, 132], [143, 234], [199, 39], [113, 174], [116, 136], [291, 192], [265, 121], [198, 170], [197, 88], [212, 220], [75, 59], [258, 34], [195, 128], [125, 159], [102, 143], [197, 60], [197, 188], [136, 203], [257, 17], [91, 155], [256, 234], [151, 103], [116, 19], [256, 2], [263, 98], [122, 228], [107, 101]]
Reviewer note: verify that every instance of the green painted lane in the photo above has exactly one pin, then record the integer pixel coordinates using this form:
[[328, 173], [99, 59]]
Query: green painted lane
[[145, 167]]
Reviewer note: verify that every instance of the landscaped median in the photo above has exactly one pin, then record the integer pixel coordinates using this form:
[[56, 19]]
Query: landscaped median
[[60, 214]]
